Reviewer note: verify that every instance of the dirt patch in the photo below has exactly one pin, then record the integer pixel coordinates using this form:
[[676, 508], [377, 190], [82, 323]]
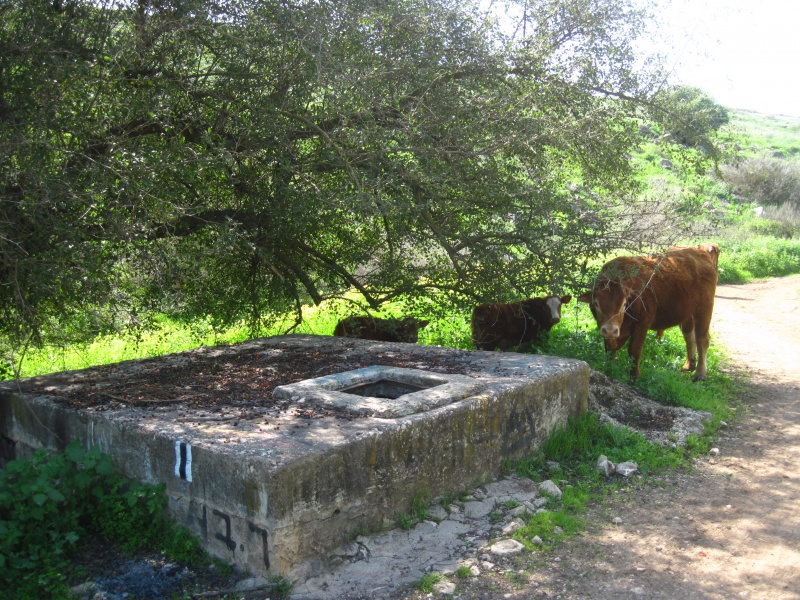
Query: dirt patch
[[731, 527]]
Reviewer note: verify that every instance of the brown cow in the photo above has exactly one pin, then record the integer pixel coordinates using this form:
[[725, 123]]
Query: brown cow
[[381, 330], [613, 345], [634, 294], [501, 325]]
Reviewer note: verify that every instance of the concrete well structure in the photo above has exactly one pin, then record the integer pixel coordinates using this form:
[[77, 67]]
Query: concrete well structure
[[273, 483]]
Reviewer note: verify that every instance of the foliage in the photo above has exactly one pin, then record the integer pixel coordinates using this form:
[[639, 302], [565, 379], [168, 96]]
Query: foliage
[[577, 446], [52, 504], [463, 572], [420, 511], [568, 520], [696, 114], [281, 586], [765, 180], [231, 161], [426, 583], [758, 257]]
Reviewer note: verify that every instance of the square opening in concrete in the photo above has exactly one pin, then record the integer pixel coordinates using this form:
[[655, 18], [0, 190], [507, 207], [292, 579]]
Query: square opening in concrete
[[381, 391], [383, 388]]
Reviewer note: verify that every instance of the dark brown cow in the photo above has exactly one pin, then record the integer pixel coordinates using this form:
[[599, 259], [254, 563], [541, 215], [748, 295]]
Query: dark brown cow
[[634, 294], [381, 330], [501, 325]]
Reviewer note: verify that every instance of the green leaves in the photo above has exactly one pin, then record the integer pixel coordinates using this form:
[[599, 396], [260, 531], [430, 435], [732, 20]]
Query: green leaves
[[51, 503], [238, 161]]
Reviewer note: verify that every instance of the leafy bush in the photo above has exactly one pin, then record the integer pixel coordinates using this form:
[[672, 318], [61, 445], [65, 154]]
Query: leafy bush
[[772, 228], [765, 180], [51, 504], [758, 257]]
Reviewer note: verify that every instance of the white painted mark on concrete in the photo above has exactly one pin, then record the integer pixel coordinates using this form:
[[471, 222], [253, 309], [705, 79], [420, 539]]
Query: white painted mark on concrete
[[183, 460]]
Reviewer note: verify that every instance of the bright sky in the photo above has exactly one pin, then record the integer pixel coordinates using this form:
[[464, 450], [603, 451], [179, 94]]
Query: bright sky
[[743, 53]]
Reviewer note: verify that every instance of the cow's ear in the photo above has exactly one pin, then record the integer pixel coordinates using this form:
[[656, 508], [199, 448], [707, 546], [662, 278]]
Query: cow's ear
[[585, 297], [422, 324], [566, 299]]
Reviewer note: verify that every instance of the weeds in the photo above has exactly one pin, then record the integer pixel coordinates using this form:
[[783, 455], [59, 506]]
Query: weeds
[[426, 583], [52, 504], [463, 572], [282, 586]]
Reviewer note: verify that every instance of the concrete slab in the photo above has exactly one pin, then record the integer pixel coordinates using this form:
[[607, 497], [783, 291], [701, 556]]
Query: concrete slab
[[273, 484]]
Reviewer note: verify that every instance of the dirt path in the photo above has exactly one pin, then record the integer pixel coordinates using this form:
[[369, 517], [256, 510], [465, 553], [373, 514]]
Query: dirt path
[[729, 530]]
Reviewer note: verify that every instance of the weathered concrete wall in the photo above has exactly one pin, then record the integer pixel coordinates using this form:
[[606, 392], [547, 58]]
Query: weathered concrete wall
[[273, 500]]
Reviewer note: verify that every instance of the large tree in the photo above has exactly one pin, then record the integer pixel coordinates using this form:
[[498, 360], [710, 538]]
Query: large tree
[[243, 158]]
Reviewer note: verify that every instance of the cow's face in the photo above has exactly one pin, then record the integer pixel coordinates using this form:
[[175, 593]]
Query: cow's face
[[409, 329], [607, 302], [554, 304]]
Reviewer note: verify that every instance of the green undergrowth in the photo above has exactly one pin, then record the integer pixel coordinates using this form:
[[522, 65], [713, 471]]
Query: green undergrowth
[[570, 455], [53, 505], [751, 256]]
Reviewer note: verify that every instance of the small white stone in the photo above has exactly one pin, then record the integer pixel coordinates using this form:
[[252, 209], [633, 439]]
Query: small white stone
[[616, 521], [506, 547], [444, 587], [513, 526], [550, 488], [627, 468], [714, 452]]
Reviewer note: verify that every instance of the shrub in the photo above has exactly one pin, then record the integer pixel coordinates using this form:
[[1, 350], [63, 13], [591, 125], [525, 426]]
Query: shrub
[[52, 503], [758, 257], [765, 180]]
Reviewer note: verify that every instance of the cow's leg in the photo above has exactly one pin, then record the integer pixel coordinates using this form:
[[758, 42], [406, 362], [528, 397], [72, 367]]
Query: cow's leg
[[703, 340], [638, 336], [691, 346]]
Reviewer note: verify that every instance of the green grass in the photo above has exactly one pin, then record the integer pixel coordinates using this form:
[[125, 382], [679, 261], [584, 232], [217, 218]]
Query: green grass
[[758, 257], [762, 133], [426, 583]]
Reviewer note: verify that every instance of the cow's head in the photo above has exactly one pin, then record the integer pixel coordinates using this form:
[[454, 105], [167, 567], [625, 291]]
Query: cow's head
[[545, 311], [554, 303], [607, 300], [408, 329]]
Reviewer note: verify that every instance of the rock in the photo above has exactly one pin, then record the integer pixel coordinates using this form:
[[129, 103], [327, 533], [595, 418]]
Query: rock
[[513, 526], [444, 587], [438, 513], [550, 488], [537, 540], [627, 468], [519, 511], [251, 583], [605, 466], [84, 590], [714, 451], [506, 548], [474, 571], [616, 521]]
